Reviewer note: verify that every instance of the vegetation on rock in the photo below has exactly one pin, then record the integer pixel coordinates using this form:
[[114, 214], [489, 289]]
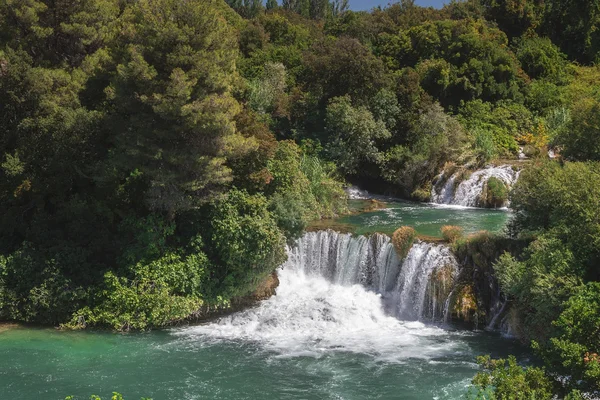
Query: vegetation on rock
[[495, 193], [403, 239], [451, 233]]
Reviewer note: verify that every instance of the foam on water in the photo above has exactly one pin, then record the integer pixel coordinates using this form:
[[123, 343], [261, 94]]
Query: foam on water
[[310, 316]]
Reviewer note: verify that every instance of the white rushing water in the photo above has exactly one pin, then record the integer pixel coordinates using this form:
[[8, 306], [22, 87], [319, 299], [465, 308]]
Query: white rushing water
[[468, 192], [344, 293], [355, 193]]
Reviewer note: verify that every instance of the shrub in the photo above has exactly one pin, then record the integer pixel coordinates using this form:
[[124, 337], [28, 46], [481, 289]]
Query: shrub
[[451, 233], [403, 239], [505, 379], [495, 193], [485, 147], [422, 194]]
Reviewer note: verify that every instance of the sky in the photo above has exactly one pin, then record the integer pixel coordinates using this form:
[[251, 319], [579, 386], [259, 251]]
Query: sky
[[368, 4]]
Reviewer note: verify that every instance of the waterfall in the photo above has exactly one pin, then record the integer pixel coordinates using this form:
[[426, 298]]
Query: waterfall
[[340, 293], [467, 193], [355, 193], [415, 289]]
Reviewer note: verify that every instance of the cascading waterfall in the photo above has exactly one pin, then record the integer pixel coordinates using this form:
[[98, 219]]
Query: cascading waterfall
[[414, 289], [340, 293], [468, 192]]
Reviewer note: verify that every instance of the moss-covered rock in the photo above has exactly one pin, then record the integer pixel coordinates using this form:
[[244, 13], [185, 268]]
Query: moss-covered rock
[[422, 194], [477, 289], [464, 305]]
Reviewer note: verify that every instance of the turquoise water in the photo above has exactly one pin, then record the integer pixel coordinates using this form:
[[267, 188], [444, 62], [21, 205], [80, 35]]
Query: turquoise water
[[45, 364], [427, 219]]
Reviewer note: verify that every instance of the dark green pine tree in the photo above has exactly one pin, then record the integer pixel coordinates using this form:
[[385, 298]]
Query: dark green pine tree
[[236, 4], [252, 8], [303, 8], [319, 9], [271, 4], [339, 7]]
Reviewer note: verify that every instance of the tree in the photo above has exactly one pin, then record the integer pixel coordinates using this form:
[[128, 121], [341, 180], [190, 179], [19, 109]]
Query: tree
[[515, 17], [172, 111], [271, 4], [575, 26], [457, 60], [339, 7], [269, 90], [353, 134], [542, 59], [243, 242], [344, 66], [576, 346], [581, 140]]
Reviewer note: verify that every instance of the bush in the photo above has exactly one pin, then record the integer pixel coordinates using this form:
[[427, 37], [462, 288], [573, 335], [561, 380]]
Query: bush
[[403, 239], [451, 233], [484, 144], [422, 194], [495, 193], [505, 379]]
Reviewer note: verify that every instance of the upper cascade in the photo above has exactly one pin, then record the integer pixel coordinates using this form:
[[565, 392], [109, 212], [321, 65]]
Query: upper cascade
[[463, 189], [354, 193], [415, 288]]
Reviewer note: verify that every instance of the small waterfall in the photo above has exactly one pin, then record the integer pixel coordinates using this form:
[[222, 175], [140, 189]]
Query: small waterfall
[[496, 314], [467, 193], [498, 305], [355, 193], [413, 289]]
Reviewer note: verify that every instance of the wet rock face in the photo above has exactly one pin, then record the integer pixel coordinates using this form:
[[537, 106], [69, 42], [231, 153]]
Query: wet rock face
[[464, 304], [266, 289], [477, 299]]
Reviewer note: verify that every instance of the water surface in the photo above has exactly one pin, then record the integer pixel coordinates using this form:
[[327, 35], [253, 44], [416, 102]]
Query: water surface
[[427, 219], [314, 340]]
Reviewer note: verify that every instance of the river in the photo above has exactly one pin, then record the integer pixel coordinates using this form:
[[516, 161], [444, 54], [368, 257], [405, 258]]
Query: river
[[349, 321]]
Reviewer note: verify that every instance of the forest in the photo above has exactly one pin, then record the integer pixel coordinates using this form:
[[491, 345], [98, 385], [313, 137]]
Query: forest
[[157, 156]]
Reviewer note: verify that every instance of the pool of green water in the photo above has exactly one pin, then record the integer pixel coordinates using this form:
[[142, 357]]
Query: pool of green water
[[427, 219], [46, 364]]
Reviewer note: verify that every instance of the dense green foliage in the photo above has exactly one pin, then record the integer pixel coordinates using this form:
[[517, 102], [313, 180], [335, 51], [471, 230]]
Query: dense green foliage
[[393, 94], [554, 282], [505, 379], [139, 182], [157, 155]]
